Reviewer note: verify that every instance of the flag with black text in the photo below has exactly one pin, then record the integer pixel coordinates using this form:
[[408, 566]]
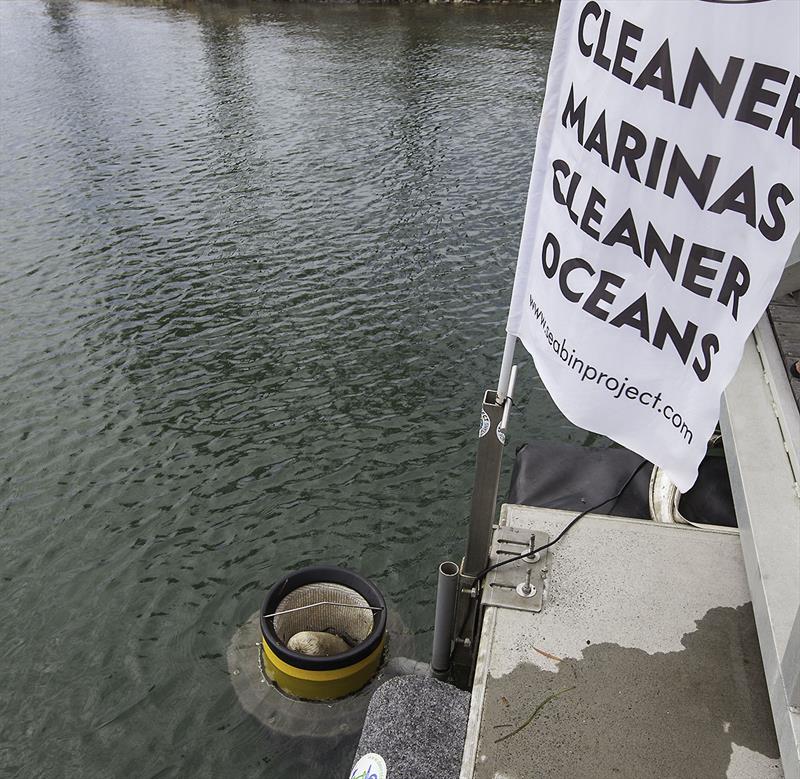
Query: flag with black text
[[663, 204]]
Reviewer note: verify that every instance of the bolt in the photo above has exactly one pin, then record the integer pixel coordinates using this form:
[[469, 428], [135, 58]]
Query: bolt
[[526, 589], [527, 586], [530, 557]]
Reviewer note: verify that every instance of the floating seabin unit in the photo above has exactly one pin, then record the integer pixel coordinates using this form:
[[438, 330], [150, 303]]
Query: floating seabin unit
[[322, 632]]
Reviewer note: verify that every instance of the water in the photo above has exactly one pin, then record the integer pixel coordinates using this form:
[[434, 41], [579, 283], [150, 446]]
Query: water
[[255, 267]]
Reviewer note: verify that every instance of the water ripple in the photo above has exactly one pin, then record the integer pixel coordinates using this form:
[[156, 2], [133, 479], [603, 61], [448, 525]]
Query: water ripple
[[255, 267]]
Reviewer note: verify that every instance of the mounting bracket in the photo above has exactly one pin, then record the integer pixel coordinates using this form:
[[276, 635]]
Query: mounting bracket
[[519, 585]]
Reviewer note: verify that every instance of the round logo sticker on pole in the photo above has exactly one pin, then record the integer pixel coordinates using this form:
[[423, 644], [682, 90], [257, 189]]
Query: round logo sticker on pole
[[370, 766], [486, 423]]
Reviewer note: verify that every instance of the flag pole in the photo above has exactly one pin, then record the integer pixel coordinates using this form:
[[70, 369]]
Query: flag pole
[[505, 367]]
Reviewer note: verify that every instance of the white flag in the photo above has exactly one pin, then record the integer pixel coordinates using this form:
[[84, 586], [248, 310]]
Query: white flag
[[663, 204]]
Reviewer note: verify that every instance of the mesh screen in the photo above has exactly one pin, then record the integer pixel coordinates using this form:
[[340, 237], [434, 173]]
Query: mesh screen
[[353, 625]]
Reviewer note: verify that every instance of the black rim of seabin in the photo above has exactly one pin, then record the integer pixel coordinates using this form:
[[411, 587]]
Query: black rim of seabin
[[314, 574]]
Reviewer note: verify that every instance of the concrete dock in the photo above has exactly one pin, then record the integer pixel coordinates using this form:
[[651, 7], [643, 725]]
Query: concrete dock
[[643, 662]]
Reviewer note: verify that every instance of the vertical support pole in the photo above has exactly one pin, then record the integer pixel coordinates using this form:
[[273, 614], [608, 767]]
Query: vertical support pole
[[446, 595], [488, 462]]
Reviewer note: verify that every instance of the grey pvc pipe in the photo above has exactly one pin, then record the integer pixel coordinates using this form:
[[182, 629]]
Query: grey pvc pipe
[[446, 593]]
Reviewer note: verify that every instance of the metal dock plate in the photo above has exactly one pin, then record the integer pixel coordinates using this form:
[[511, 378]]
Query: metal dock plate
[[505, 587]]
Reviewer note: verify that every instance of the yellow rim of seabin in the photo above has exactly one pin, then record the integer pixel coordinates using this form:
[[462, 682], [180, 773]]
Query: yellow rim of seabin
[[321, 685]]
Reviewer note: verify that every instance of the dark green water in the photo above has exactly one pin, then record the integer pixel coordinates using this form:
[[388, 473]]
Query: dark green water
[[254, 275]]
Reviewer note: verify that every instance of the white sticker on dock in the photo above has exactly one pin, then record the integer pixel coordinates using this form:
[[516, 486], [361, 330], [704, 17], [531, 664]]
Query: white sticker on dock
[[370, 766]]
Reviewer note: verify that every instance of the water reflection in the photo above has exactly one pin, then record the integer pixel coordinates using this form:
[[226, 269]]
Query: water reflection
[[62, 13]]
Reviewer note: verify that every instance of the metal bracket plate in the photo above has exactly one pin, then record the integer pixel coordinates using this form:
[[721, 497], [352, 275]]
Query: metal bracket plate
[[504, 587]]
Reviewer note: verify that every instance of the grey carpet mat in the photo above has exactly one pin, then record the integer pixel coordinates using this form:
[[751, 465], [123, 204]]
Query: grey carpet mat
[[418, 726]]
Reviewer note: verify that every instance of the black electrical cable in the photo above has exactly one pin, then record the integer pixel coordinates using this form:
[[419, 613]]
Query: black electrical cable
[[530, 553]]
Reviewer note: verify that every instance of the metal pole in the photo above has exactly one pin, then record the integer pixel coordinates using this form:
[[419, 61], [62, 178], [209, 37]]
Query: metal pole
[[446, 593], [484, 496], [505, 367], [503, 427], [488, 462]]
